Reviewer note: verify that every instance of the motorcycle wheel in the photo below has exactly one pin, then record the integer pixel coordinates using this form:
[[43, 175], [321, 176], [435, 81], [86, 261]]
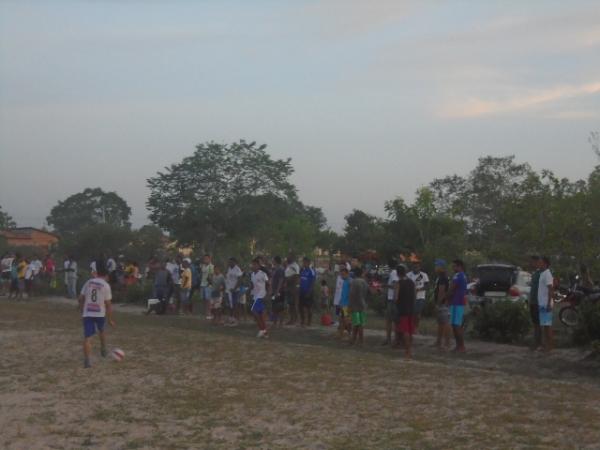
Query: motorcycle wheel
[[569, 316]]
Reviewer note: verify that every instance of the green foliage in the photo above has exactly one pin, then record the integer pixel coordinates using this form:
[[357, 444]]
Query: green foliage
[[6, 221], [588, 328], [135, 293], [200, 196], [94, 241], [363, 232], [504, 321], [88, 208], [145, 243]]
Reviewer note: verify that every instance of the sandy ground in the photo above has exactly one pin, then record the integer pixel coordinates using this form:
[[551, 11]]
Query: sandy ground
[[187, 384]]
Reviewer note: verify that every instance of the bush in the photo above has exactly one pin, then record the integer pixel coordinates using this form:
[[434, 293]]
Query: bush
[[588, 328], [504, 321]]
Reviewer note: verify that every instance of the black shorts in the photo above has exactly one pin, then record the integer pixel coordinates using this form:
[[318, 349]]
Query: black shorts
[[6, 276], [306, 299], [534, 311]]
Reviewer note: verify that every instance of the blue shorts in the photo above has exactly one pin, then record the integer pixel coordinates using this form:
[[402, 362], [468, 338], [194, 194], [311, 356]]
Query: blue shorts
[[258, 307], [456, 315], [546, 317], [206, 293], [90, 324]]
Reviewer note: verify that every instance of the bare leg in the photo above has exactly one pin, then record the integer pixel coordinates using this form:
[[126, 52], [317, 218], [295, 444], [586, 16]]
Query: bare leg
[[459, 338], [87, 351], [407, 338]]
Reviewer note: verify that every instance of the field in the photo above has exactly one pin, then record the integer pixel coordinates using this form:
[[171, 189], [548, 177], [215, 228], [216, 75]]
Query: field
[[186, 384]]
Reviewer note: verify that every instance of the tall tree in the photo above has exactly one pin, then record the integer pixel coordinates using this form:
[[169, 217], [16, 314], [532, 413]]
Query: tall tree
[[87, 208], [6, 221], [224, 192]]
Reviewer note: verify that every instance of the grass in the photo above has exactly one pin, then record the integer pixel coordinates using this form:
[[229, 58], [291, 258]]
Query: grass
[[186, 384]]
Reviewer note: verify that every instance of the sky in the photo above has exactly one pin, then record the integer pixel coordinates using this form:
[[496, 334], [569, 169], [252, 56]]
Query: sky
[[371, 100]]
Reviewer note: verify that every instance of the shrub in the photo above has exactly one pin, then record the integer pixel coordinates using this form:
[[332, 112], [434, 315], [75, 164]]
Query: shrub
[[504, 321], [588, 328]]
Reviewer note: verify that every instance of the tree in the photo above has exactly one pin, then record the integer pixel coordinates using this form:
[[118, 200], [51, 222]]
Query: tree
[[146, 242], [96, 241], [363, 232], [87, 208], [6, 221], [225, 192]]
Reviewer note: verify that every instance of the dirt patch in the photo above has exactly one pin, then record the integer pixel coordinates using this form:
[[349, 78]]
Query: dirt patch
[[186, 384]]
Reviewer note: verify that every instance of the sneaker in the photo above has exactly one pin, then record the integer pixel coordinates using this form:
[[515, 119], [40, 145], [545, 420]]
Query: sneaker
[[103, 353]]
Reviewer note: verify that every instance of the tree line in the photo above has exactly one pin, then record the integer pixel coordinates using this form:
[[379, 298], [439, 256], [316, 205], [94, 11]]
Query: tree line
[[235, 199]]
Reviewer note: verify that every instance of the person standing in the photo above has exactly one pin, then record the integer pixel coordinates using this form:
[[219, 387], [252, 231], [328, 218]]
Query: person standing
[[405, 306], [345, 324], [70, 269], [259, 292], [534, 307], [442, 284], [175, 271], [390, 306], [277, 294], [292, 279], [421, 281], [22, 265], [5, 265], [162, 287], [337, 295], [357, 305], [233, 280], [207, 270], [456, 296], [95, 305], [186, 287], [545, 302], [307, 282]]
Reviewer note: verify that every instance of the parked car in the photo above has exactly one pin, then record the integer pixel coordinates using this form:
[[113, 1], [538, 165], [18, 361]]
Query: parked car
[[497, 282]]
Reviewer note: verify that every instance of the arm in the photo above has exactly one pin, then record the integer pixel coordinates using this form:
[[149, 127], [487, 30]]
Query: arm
[[81, 300], [550, 296], [441, 298], [108, 305]]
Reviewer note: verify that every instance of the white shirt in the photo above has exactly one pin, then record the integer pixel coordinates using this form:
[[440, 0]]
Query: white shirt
[[292, 269], [208, 270], [96, 292], [259, 284], [29, 271], [339, 285], [174, 271], [93, 266], [420, 279], [231, 278], [37, 265], [6, 264], [392, 280], [546, 280], [70, 265], [111, 265]]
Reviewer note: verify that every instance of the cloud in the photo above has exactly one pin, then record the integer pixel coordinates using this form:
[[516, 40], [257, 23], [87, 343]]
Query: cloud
[[477, 107]]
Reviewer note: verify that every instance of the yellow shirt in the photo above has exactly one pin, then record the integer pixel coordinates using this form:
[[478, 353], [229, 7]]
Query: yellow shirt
[[21, 269], [186, 279]]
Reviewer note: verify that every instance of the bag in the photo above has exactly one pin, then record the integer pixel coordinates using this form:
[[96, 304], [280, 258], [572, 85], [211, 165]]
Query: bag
[[326, 320]]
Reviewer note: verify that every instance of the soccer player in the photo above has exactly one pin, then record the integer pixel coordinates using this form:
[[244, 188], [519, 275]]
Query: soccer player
[[95, 306], [357, 304], [405, 307], [307, 282], [456, 295], [259, 292]]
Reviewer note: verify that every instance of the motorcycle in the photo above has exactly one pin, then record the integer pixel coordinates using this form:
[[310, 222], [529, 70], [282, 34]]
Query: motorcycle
[[569, 314]]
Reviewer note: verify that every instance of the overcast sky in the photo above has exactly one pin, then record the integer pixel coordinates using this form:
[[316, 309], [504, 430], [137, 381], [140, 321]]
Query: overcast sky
[[370, 99]]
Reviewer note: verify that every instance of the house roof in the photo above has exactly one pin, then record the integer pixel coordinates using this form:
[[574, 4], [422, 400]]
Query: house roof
[[24, 232]]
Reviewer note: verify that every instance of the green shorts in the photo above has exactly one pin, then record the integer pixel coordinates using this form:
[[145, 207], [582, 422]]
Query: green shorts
[[358, 319]]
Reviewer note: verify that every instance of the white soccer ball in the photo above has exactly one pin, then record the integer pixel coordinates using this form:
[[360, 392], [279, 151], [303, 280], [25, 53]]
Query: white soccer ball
[[118, 354]]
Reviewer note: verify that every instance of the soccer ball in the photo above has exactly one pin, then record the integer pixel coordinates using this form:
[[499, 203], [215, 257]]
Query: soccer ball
[[118, 354]]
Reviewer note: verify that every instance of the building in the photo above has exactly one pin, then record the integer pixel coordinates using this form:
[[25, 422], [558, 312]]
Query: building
[[29, 237]]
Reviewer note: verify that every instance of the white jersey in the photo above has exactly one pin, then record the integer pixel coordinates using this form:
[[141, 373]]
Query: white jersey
[[420, 279], [339, 285], [96, 293], [259, 284]]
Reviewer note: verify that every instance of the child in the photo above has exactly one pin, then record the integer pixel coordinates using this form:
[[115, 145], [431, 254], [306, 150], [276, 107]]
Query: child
[[358, 303], [324, 296], [259, 292], [95, 305]]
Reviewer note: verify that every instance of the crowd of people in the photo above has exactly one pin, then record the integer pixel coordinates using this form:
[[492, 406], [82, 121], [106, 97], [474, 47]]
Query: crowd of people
[[283, 291], [21, 276]]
